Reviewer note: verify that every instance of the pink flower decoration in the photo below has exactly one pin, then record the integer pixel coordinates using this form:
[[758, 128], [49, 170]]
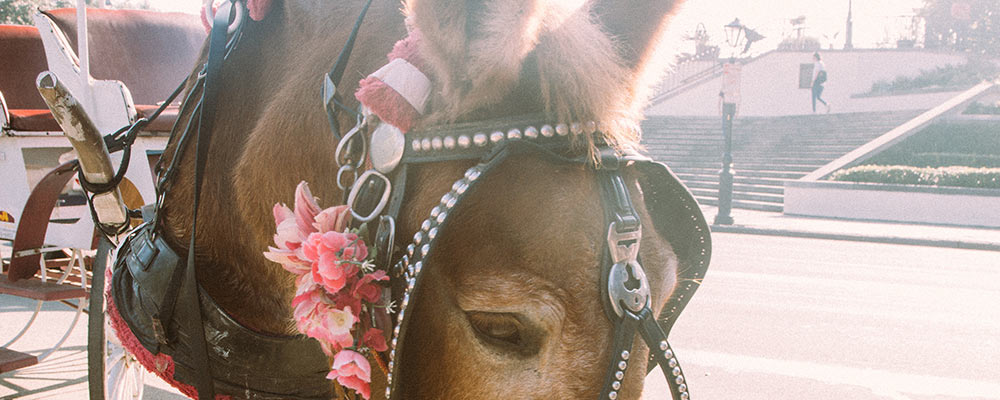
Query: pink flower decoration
[[333, 219], [352, 370], [328, 324], [375, 339], [343, 300], [332, 253], [289, 260], [366, 289], [306, 209], [333, 294]]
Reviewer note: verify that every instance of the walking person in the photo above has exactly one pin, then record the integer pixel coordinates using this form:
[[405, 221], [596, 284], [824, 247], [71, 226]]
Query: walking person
[[819, 78]]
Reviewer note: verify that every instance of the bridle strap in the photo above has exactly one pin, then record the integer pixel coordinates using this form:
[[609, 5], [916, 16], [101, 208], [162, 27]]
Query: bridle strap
[[621, 348], [331, 81]]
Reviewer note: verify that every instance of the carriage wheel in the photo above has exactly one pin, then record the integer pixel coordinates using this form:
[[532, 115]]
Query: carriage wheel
[[113, 373], [125, 376]]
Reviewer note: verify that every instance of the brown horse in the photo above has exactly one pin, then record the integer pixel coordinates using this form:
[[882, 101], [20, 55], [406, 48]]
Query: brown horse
[[511, 306]]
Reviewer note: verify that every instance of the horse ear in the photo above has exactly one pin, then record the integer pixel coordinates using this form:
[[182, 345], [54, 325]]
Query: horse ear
[[474, 47], [637, 27]]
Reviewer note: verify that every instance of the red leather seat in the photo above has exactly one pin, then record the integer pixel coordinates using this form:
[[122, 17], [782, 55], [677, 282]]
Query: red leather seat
[[33, 120], [150, 52]]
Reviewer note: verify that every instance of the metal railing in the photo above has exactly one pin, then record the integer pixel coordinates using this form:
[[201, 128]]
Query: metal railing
[[684, 76]]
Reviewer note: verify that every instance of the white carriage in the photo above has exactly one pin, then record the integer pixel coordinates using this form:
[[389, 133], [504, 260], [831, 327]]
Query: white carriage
[[44, 217]]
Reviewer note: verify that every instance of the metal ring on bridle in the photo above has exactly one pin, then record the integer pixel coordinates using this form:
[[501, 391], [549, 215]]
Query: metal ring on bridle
[[343, 147], [340, 177], [210, 15], [359, 184]]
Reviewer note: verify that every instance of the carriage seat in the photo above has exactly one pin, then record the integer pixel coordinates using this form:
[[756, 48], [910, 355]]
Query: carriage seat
[[150, 52], [22, 107]]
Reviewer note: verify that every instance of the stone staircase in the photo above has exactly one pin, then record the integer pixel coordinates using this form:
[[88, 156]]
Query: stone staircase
[[767, 151]]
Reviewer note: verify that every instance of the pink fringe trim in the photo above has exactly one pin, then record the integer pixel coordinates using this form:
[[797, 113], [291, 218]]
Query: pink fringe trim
[[388, 104], [161, 365], [408, 49], [259, 9]]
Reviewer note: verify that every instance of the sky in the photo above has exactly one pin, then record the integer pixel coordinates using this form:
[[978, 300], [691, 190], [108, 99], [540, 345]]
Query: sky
[[876, 22]]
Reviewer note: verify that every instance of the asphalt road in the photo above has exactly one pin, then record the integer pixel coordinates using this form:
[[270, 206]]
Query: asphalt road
[[777, 318], [787, 318]]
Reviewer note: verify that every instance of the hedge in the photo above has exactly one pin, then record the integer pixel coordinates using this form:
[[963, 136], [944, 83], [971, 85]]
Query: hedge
[[945, 77], [946, 144], [943, 176]]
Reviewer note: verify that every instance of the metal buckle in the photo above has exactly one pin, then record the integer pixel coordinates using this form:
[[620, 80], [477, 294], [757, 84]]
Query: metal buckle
[[343, 147], [159, 333], [362, 183], [628, 286]]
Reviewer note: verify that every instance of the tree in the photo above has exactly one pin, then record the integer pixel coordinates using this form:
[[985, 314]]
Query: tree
[[963, 25], [18, 12]]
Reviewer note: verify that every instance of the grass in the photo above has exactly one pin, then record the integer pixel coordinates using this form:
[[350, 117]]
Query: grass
[[948, 77]]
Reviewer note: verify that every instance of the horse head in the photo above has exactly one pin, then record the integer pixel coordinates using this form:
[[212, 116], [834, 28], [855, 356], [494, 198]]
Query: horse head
[[512, 298], [511, 301]]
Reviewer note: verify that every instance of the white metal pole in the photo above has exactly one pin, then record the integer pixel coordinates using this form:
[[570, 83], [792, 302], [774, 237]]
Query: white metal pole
[[82, 45]]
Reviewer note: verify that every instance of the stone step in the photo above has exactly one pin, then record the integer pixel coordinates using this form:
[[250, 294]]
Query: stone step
[[737, 187], [741, 204], [738, 195], [744, 166], [690, 172], [702, 180], [745, 159]]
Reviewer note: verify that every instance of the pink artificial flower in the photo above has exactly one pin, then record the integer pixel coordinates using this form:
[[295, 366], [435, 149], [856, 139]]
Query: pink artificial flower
[[352, 370], [304, 307], [342, 342], [329, 252], [366, 289], [375, 339], [344, 300], [331, 325], [333, 219], [306, 209], [288, 259]]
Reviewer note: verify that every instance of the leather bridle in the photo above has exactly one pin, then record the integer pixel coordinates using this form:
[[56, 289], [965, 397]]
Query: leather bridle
[[378, 194]]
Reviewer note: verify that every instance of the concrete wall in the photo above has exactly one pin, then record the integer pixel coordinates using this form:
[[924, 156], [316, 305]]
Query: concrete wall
[[899, 203], [770, 84]]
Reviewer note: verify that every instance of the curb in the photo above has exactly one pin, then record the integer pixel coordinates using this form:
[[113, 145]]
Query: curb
[[956, 244]]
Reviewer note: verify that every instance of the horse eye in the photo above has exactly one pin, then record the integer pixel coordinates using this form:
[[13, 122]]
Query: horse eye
[[498, 329]]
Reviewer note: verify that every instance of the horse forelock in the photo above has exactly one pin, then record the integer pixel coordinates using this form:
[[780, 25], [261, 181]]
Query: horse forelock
[[491, 59]]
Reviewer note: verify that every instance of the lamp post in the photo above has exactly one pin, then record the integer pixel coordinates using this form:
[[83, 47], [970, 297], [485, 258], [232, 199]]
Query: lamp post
[[849, 42], [735, 35]]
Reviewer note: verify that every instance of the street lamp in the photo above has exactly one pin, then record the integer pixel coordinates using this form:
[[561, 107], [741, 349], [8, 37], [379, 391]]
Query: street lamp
[[735, 35]]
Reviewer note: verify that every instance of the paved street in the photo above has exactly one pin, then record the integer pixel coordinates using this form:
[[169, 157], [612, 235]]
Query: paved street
[[788, 318], [778, 318]]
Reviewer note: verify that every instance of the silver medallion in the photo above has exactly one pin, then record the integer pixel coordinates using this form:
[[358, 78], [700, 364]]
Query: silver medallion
[[386, 147]]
